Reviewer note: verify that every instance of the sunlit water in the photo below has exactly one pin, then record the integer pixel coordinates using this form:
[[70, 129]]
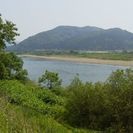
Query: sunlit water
[[68, 70]]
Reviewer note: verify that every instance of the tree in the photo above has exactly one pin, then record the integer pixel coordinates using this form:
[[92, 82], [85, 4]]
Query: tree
[[120, 99], [104, 106], [50, 79], [11, 66], [8, 32]]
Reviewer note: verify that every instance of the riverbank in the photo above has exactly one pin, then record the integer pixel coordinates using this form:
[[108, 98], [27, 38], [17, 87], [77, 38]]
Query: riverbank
[[82, 60]]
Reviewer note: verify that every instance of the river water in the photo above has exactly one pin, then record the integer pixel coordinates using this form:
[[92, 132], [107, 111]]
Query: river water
[[68, 70]]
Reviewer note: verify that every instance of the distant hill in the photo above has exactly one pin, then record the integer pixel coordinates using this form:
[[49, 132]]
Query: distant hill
[[77, 38]]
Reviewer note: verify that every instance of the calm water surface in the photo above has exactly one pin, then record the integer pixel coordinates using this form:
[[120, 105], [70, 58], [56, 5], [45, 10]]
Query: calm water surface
[[67, 70]]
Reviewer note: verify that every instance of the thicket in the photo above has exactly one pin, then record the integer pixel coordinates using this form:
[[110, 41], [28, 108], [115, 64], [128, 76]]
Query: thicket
[[41, 100], [19, 119], [104, 106], [26, 107]]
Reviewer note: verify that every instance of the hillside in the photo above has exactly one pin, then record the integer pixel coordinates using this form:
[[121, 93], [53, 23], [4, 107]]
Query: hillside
[[23, 111], [78, 38]]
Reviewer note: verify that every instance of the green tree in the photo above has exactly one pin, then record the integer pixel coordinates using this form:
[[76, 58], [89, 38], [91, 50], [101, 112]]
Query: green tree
[[85, 105], [11, 66], [50, 79], [8, 32], [119, 88], [102, 106]]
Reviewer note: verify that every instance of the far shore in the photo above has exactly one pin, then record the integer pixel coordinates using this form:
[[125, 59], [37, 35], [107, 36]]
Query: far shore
[[82, 60]]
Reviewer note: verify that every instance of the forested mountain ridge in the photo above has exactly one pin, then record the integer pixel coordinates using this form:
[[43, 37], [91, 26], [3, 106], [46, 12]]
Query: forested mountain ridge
[[78, 38]]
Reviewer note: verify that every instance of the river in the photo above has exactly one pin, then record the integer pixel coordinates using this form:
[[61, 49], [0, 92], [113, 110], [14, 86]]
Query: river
[[68, 70]]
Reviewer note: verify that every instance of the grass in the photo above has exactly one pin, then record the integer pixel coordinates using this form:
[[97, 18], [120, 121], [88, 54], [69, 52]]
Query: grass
[[109, 56], [24, 120], [22, 110], [125, 56]]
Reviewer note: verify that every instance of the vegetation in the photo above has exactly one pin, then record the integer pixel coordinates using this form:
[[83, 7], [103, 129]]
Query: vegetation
[[102, 106], [123, 55], [11, 67], [28, 107], [18, 119], [50, 79], [8, 32], [10, 64], [126, 56]]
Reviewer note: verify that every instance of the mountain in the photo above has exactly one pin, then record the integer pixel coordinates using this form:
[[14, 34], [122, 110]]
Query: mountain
[[78, 38]]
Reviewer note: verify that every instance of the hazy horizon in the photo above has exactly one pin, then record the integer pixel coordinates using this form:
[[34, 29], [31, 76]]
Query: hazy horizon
[[32, 17]]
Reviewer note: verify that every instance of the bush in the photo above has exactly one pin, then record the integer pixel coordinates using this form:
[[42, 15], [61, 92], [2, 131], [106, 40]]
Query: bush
[[50, 98], [19, 94], [17, 119], [40, 100], [119, 88], [85, 105], [20, 119], [102, 106]]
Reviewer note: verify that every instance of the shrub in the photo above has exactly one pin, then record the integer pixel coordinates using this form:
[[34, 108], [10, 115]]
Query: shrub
[[50, 80], [103, 106], [49, 97], [40, 100], [17, 119]]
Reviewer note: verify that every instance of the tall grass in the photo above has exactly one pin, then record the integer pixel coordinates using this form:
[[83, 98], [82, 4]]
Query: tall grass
[[30, 109]]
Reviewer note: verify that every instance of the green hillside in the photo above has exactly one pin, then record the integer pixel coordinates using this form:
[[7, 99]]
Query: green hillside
[[22, 110]]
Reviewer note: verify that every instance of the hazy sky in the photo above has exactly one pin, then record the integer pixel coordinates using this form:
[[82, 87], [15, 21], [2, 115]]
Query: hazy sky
[[33, 16]]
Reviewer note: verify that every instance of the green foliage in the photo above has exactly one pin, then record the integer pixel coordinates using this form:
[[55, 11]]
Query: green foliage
[[106, 107], [10, 64], [106, 56], [102, 106], [17, 93], [50, 79], [109, 56], [7, 33], [41, 100], [50, 98], [17, 119], [120, 99], [11, 67], [85, 105], [23, 109]]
